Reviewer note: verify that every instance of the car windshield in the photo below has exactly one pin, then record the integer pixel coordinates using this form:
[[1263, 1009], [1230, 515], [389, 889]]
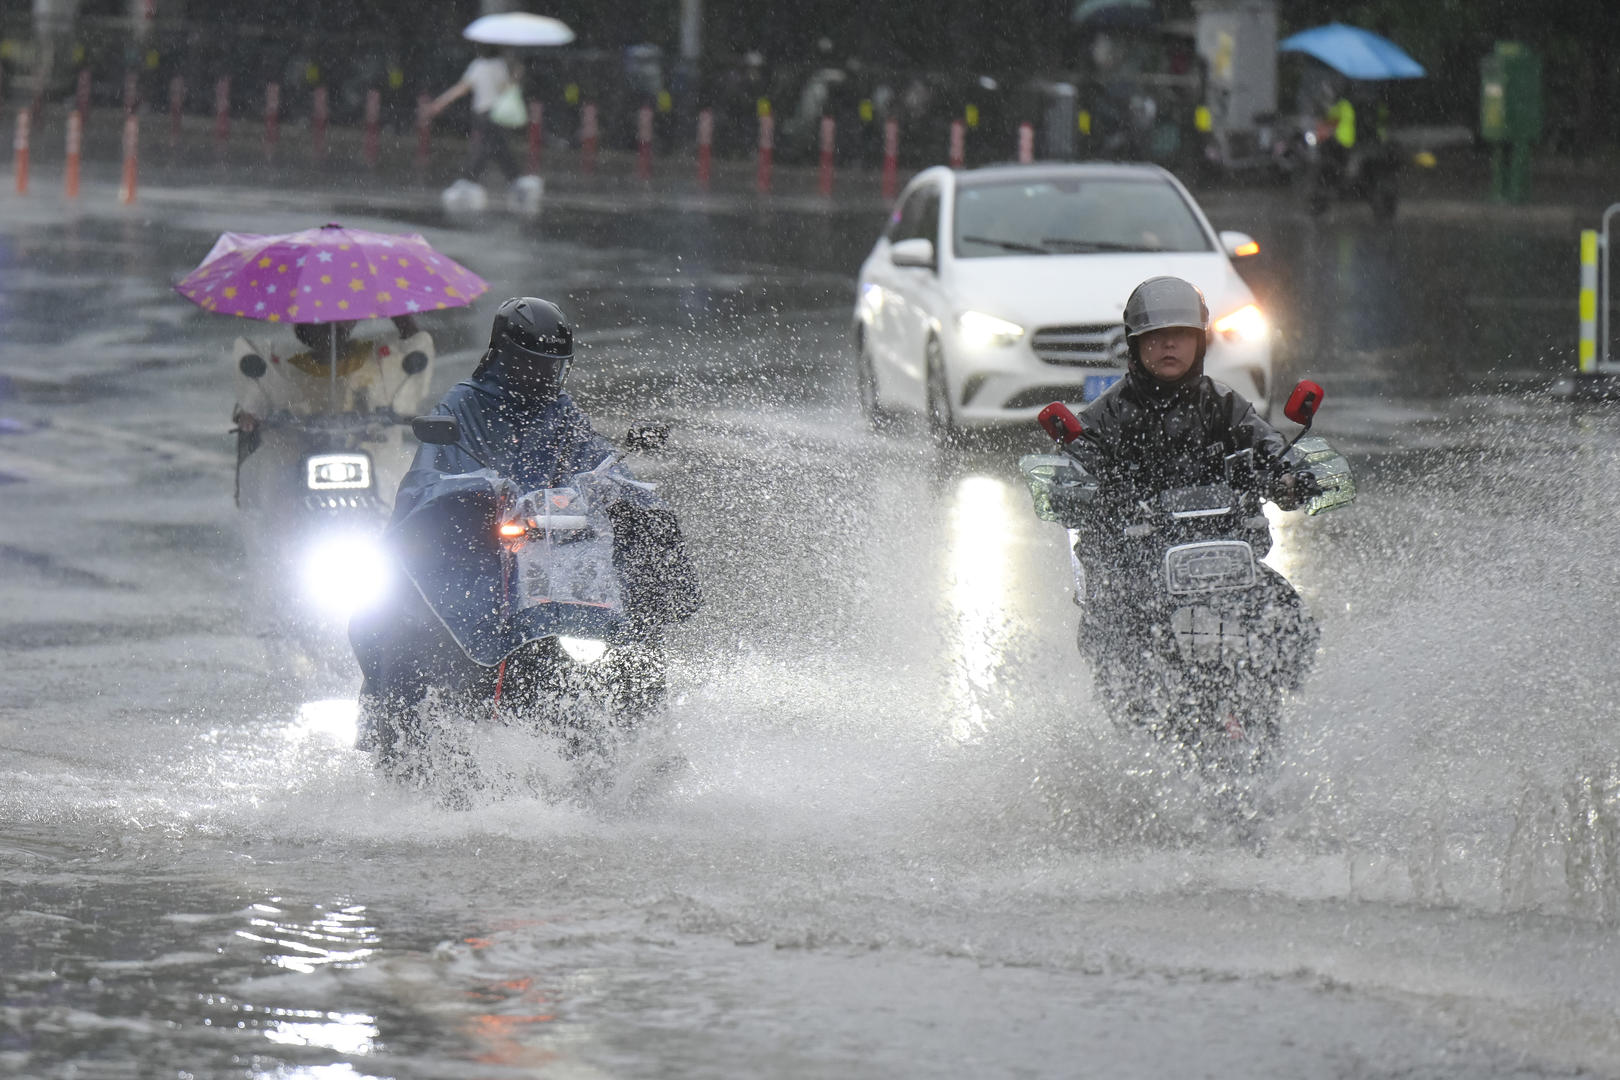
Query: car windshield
[[1073, 215]]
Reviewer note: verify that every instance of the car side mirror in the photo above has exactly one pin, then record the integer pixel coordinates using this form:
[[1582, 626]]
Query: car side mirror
[[252, 365], [437, 430], [1059, 421], [1303, 402], [646, 436], [913, 252], [414, 363], [1240, 245]]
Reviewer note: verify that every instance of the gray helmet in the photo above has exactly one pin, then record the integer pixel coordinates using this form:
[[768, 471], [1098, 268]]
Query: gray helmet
[[1161, 302]]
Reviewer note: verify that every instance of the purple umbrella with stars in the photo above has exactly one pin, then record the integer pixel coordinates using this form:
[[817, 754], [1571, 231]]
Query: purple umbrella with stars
[[325, 275]]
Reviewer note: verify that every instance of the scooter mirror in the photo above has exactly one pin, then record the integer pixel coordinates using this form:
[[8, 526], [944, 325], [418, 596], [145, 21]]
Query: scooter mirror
[[252, 365], [438, 430], [646, 436], [414, 363], [1303, 402], [1058, 421]]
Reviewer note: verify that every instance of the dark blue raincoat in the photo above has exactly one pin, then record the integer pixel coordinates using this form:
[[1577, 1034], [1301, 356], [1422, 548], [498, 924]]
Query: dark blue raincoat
[[443, 528]]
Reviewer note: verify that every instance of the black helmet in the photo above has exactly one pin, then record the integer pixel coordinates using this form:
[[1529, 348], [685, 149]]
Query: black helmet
[[532, 345]]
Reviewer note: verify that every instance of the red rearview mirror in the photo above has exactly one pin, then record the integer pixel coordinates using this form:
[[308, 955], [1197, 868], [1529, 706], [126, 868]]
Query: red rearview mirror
[[1059, 422], [1303, 402]]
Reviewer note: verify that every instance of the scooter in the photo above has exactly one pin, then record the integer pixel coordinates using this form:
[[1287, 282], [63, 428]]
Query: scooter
[[1189, 636], [558, 630]]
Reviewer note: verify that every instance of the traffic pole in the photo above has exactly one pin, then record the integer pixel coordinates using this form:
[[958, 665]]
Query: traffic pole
[[705, 146], [767, 146], [20, 145], [132, 135], [587, 139], [537, 119], [644, 137], [373, 143], [272, 117], [1588, 354], [1026, 144], [958, 147], [318, 114], [177, 101], [222, 111], [75, 143], [829, 137], [891, 158]]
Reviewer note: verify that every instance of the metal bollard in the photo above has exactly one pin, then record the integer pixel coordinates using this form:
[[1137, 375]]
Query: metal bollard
[[21, 147], [705, 146], [318, 115], [373, 143], [272, 117], [587, 140], [644, 138], [1026, 144], [177, 101], [891, 158], [537, 118], [767, 146], [222, 110], [958, 148]]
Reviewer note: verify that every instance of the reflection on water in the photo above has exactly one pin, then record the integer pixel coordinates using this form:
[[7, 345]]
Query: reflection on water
[[977, 571], [341, 937], [333, 719], [347, 1033]]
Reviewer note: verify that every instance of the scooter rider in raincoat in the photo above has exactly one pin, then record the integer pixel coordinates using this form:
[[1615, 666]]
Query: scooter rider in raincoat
[[1168, 425], [516, 422]]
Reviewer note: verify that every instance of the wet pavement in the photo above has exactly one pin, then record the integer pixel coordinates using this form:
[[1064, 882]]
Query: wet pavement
[[902, 839]]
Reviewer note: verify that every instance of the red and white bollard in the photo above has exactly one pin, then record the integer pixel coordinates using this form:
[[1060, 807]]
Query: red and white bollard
[[705, 146], [317, 119], [24, 121], [537, 119], [958, 149], [222, 110], [81, 99], [132, 136], [891, 157], [644, 137], [424, 125], [767, 146], [177, 102], [272, 117], [1026, 144], [587, 139], [373, 141], [829, 143], [75, 144]]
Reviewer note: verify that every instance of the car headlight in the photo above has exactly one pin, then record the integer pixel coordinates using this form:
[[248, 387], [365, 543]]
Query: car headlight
[[338, 472], [1245, 324], [977, 328]]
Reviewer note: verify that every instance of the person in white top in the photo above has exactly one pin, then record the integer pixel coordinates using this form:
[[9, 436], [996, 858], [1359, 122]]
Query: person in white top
[[486, 79]]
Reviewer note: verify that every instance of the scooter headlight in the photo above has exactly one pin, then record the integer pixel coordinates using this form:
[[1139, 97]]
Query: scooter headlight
[[583, 650], [345, 574], [338, 472]]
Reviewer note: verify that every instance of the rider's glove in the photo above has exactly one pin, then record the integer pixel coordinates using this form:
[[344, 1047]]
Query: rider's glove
[[1292, 489]]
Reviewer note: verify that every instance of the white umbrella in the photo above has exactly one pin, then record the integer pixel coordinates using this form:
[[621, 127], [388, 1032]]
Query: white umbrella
[[518, 28]]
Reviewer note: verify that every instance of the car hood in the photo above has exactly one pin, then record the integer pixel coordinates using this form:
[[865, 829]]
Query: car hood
[[1060, 290]]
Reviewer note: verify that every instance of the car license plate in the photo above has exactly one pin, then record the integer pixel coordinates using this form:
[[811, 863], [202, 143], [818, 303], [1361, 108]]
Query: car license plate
[[1096, 384]]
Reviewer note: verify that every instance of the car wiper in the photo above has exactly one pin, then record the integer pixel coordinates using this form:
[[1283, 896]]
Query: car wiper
[[1095, 245], [1006, 245]]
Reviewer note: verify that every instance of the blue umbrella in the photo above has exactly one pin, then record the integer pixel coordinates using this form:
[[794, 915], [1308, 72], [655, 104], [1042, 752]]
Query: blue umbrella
[[1354, 53]]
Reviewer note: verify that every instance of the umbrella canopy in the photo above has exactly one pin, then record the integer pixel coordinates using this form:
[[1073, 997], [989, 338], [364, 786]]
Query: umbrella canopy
[[329, 274], [1113, 14], [1354, 53], [518, 28]]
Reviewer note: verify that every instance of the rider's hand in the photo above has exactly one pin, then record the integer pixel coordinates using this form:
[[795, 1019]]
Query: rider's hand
[[1294, 488]]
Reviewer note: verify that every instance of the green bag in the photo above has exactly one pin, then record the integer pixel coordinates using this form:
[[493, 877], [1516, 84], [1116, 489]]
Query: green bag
[[509, 110]]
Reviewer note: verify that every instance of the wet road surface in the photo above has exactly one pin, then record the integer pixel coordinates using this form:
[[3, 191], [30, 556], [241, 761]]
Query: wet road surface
[[902, 840]]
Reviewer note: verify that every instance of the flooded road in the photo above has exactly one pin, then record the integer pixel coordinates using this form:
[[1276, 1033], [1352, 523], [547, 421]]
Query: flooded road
[[901, 838]]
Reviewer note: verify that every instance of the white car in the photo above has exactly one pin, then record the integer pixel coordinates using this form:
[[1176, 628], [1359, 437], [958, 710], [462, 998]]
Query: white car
[[995, 291]]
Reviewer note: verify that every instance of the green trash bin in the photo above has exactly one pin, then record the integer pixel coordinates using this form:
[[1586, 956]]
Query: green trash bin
[[1510, 116]]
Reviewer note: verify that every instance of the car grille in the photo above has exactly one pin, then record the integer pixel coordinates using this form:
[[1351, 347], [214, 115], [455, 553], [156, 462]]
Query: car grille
[[1044, 395], [1086, 345]]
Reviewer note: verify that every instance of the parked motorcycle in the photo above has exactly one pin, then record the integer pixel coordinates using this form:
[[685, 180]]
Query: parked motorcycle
[[540, 609], [1189, 636]]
